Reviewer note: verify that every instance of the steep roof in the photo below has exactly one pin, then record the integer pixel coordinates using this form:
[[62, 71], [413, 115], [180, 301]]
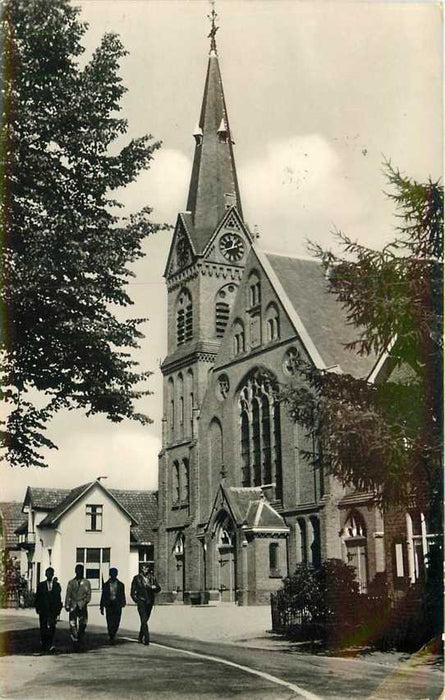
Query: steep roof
[[12, 518], [51, 519], [64, 504], [213, 173], [143, 506], [323, 317], [240, 499], [261, 515], [44, 499]]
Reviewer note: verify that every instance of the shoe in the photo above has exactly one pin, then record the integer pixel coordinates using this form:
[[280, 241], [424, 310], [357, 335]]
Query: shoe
[[53, 648], [146, 644], [139, 641]]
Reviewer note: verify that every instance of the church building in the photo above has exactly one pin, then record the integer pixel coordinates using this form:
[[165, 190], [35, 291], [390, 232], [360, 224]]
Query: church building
[[239, 506]]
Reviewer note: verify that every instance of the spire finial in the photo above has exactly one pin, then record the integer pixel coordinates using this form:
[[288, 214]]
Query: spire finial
[[214, 28]]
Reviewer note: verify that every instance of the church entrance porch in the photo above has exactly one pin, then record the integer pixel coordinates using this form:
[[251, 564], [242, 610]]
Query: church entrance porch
[[225, 552]]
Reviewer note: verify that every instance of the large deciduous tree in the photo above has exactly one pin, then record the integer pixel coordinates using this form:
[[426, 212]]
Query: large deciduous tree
[[386, 436], [66, 252]]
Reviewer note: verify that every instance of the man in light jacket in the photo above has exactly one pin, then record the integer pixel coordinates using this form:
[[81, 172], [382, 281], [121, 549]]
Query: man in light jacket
[[78, 595]]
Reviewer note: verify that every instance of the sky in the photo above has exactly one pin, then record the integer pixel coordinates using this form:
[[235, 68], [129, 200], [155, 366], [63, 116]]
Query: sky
[[318, 95]]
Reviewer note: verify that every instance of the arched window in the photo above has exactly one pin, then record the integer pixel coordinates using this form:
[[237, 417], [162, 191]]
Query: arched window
[[260, 433], [180, 387], [301, 541], [254, 290], [176, 496], [239, 338], [185, 481], [272, 323], [171, 404], [216, 447], [355, 547], [190, 403], [223, 304], [316, 542], [184, 317], [245, 448], [274, 559]]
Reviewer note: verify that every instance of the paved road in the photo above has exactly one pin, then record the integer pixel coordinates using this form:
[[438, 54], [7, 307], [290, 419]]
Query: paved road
[[179, 668]]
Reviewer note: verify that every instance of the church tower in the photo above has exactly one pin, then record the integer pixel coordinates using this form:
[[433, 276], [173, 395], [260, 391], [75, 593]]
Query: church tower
[[204, 267]]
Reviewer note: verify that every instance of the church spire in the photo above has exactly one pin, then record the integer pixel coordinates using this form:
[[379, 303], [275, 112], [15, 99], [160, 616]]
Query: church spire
[[213, 185]]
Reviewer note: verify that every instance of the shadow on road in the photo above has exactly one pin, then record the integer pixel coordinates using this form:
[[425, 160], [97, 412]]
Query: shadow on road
[[26, 642]]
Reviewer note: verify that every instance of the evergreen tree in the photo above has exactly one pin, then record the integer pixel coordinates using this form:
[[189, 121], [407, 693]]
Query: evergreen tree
[[65, 251], [386, 437]]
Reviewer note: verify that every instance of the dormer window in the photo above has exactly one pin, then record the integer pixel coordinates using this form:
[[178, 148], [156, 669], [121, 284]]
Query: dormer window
[[223, 134], [197, 135]]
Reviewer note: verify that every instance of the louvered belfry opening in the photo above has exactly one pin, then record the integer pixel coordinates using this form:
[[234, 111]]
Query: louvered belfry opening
[[221, 317], [184, 318]]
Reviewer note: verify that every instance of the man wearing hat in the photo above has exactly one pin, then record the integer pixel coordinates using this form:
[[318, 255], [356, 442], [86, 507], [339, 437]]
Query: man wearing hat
[[48, 604], [112, 601]]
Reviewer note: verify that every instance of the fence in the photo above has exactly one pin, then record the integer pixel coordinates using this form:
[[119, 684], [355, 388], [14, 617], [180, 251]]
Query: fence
[[363, 620]]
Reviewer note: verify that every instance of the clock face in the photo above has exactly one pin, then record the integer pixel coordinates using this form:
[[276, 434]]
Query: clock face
[[232, 247]]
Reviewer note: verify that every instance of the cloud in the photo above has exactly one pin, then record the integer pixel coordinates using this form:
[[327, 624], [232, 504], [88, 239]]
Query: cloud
[[163, 187], [301, 188]]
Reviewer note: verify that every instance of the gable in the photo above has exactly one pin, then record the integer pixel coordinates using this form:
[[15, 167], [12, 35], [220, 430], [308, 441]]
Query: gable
[[319, 318], [77, 496], [182, 252], [231, 241], [251, 318]]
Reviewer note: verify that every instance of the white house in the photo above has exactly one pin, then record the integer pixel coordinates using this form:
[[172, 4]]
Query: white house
[[89, 525]]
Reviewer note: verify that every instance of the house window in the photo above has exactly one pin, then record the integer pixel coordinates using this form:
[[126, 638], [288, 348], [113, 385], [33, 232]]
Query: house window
[[260, 434], [96, 563], [146, 556], [274, 562], [184, 317], [94, 518]]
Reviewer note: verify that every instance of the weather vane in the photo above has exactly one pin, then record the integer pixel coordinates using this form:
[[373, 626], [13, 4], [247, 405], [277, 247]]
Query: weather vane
[[213, 17]]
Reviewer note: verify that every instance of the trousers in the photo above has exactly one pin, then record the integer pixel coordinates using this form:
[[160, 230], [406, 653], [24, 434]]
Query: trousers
[[47, 630], [144, 610], [78, 618], [113, 613]]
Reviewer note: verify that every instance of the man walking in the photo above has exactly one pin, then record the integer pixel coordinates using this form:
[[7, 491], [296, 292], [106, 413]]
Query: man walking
[[78, 595], [113, 600], [143, 589], [48, 604]]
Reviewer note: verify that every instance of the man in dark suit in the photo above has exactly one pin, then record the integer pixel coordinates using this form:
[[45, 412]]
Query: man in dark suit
[[113, 600], [143, 589], [48, 604]]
